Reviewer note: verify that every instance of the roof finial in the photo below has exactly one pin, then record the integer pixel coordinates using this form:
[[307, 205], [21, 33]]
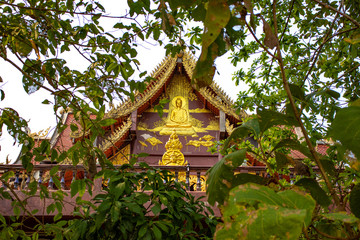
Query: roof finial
[[181, 44]]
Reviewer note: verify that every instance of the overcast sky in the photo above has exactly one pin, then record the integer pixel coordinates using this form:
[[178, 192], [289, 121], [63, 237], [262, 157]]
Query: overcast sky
[[40, 116]]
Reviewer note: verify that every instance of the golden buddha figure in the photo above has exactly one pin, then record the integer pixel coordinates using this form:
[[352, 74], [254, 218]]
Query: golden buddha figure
[[178, 119], [179, 115]]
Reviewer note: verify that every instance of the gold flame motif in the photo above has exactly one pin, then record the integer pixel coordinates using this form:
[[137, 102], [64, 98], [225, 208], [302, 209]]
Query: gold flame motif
[[173, 154]]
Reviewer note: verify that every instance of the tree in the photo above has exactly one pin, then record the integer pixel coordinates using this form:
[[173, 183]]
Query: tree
[[304, 73]]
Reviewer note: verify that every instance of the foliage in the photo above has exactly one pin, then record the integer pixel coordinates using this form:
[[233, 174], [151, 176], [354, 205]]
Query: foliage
[[162, 209], [280, 215], [304, 70]]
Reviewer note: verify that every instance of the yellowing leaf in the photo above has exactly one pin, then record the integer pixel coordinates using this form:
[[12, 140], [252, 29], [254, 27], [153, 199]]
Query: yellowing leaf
[[271, 39], [353, 40]]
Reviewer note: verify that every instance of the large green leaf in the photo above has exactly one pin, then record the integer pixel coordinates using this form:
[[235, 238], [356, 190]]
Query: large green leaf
[[269, 118], [243, 178], [315, 190], [22, 46], [295, 145], [78, 186], [251, 126], [220, 176], [291, 199], [341, 216], [213, 45], [346, 128], [217, 16], [355, 200], [282, 160], [277, 223], [258, 212]]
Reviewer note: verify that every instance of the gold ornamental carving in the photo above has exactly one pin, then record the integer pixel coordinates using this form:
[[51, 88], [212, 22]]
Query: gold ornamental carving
[[173, 155], [41, 134], [122, 156], [154, 142], [143, 145]]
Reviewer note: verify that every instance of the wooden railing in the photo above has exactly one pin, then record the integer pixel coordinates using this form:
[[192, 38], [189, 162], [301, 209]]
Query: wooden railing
[[193, 176]]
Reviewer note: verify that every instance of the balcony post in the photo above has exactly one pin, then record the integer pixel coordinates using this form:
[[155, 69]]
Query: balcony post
[[187, 177], [62, 179], [198, 181]]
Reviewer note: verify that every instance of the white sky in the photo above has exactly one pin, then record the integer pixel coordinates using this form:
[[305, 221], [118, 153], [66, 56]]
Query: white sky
[[40, 116]]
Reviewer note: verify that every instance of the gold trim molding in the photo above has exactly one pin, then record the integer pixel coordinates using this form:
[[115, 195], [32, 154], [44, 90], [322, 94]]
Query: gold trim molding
[[117, 135]]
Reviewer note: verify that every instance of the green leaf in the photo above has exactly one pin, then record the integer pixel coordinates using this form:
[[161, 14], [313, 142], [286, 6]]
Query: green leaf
[[160, 107], [243, 178], [54, 170], [333, 93], [78, 186], [50, 208], [2, 95], [235, 159], [315, 190], [243, 131], [119, 189], [354, 39], [258, 212], [57, 217], [329, 166], [269, 118], [221, 175], [199, 13], [107, 122], [277, 223], [341, 216], [282, 160], [35, 236], [297, 92], [142, 231], [299, 200], [251, 192], [157, 232], [354, 200], [162, 226], [74, 127], [293, 144], [156, 208], [346, 128], [22, 46], [2, 219], [217, 17]]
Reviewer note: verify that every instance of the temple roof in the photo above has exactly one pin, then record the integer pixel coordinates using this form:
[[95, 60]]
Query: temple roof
[[161, 74], [213, 95]]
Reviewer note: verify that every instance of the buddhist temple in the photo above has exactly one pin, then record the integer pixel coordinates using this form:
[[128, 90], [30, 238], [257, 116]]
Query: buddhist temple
[[192, 120]]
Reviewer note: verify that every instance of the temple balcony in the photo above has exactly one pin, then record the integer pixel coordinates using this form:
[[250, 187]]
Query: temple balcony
[[18, 184]]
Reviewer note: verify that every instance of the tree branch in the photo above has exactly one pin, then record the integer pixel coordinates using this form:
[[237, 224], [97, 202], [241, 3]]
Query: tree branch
[[338, 11], [318, 50], [298, 118], [258, 41]]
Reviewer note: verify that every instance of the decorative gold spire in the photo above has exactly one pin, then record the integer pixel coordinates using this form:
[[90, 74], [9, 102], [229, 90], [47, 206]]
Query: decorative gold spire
[[41, 134], [173, 154]]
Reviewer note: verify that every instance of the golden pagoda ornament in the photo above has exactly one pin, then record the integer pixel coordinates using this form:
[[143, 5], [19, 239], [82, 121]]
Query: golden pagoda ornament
[[173, 155]]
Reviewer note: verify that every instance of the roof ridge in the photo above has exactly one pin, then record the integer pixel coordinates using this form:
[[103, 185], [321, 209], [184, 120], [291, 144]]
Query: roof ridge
[[116, 135], [160, 75], [226, 102]]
